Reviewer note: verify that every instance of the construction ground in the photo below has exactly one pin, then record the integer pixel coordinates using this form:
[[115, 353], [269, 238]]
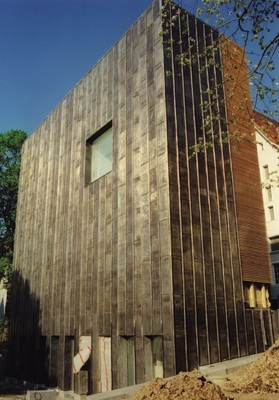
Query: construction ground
[[249, 378]]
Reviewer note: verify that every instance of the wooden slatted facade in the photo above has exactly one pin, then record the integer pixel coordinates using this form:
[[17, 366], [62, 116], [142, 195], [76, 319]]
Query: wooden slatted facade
[[147, 255], [247, 183]]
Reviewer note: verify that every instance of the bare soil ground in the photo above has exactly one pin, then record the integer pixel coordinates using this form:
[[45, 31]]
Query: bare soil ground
[[257, 381]]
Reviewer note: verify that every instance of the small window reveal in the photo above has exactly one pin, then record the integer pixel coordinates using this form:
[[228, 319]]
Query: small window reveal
[[268, 193], [127, 361], [98, 154], [274, 243], [271, 213], [153, 349], [276, 273], [266, 172]]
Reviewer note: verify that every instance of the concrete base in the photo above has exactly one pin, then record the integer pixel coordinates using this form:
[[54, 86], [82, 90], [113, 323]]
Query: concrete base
[[41, 395], [117, 393], [215, 372], [226, 367], [112, 395]]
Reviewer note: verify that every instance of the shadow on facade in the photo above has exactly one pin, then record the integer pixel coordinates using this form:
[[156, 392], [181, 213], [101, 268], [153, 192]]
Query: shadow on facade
[[27, 347]]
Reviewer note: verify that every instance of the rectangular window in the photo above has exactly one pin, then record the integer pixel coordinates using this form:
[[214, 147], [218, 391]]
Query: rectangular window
[[271, 213], [99, 154], [274, 243], [266, 172], [268, 193], [276, 273]]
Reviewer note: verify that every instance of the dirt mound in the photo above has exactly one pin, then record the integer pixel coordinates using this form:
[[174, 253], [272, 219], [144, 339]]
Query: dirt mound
[[259, 380], [261, 376], [185, 385]]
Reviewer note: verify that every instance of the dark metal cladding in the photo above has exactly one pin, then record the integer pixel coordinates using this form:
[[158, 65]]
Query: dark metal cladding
[[148, 259]]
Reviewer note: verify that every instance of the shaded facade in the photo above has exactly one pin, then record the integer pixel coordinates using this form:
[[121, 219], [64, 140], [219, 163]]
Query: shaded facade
[[122, 236]]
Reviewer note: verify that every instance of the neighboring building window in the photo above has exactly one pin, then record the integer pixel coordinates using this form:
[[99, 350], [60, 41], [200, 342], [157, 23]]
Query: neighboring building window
[[98, 154], [274, 243], [271, 213], [276, 273], [266, 172], [268, 193]]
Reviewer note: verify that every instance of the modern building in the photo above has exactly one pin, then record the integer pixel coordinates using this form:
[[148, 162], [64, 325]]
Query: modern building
[[267, 138], [128, 245]]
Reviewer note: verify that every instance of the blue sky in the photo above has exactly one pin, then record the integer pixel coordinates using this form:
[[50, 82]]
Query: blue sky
[[47, 46]]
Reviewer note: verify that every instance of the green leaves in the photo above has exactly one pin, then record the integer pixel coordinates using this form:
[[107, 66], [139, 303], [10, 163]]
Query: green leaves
[[249, 24], [10, 154]]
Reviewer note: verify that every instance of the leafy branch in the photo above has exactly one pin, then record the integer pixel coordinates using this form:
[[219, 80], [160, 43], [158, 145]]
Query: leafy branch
[[245, 23]]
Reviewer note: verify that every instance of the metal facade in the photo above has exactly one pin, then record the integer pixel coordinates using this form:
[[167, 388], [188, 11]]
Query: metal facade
[[147, 255]]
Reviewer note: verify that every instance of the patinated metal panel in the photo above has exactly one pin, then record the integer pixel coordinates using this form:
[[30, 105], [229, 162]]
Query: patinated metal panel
[[151, 249]]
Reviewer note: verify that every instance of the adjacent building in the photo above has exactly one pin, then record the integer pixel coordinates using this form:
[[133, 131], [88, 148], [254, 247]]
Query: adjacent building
[[127, 243], [267, 138]]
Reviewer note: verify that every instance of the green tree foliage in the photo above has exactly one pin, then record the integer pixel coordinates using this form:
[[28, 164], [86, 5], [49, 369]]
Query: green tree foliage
[[10, 154]]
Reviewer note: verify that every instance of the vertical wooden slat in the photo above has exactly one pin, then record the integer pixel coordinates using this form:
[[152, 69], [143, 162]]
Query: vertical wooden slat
[[254, 256]]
